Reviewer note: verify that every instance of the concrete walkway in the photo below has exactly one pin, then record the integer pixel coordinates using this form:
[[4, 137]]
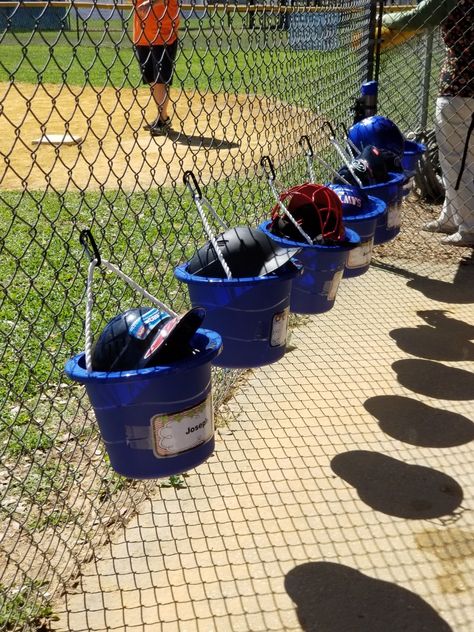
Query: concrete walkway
[[339, 499]]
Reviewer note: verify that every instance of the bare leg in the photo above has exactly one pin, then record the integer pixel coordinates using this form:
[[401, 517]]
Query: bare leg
[[161, 97]]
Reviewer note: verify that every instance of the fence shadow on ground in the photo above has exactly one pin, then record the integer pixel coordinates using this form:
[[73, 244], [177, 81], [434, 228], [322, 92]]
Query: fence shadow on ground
[[334, 597], [459, 290]]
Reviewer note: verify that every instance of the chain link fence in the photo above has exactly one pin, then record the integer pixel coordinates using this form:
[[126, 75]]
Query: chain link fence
[[249, 81]]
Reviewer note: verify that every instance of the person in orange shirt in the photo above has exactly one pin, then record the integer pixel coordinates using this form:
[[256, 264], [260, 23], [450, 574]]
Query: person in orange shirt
[[155, 39]]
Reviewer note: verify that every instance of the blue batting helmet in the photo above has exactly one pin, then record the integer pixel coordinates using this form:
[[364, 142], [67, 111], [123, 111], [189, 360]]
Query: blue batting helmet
[[378, 131]]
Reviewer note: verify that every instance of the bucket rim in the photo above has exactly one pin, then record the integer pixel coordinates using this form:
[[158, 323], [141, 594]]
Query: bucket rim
[[182, 274], [414, 148], [378, 207], [395, 179], [75, 367], [351, 235]]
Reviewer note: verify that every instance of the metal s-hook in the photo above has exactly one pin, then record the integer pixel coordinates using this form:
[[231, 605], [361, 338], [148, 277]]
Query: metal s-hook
[[87, 241], [304, 141], [332, 132], [268, 167], [343, 126], [346, 158], [189, 176]]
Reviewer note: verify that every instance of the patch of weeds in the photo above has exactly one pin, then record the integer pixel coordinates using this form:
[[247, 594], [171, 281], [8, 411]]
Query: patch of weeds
[[56, 518], [112, 483], [38, 423], [25, 609], [177, 481], [223, 417], [24, 435]]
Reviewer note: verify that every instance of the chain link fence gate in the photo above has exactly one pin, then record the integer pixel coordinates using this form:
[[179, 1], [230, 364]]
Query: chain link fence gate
[[249, 80]]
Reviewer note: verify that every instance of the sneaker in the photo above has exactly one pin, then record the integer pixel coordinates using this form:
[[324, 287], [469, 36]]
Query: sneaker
[[148, 126], [160, 127], [459, 239], [436, 226]]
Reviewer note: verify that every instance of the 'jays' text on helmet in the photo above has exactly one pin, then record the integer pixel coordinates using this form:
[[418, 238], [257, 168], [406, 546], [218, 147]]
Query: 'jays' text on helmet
[[247, 251], [378, 131], [315, 208], [354, 200], [371, 166], [143, 337]]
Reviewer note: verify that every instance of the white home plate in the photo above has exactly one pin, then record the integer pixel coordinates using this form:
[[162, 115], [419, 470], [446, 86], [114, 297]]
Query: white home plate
[[57, 139]]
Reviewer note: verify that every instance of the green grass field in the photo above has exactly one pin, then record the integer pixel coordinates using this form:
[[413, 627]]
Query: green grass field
[[212, 57]]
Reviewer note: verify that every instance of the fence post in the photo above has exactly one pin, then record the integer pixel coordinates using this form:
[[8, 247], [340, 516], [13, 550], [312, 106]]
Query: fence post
[[425, 94], [373, 51]]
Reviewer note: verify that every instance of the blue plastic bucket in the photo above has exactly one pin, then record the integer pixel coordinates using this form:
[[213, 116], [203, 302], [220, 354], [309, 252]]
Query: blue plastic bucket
[[364, 224], [155, 422], [314, 292], [391, 192], [251, 314], [411, 155]]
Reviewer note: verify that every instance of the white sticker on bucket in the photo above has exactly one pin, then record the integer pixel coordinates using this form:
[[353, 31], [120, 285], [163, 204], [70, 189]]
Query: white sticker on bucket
[[279, 328], [394, 215], [360, 256], [178, 432], [330, 287]]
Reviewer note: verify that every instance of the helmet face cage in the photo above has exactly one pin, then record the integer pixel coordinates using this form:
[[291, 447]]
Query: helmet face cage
[[378, 131], [315, 208]]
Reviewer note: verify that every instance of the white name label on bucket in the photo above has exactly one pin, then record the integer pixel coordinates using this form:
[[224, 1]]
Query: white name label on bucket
[[178, 432], [330, 287], [360, 256], [394, 216], [279, 328]]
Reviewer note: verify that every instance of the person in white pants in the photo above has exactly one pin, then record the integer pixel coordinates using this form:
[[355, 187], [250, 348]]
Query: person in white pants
[[454, 123], [454, 110]]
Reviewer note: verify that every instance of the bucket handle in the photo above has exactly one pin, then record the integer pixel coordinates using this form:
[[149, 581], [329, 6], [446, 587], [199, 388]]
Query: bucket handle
[[309, 155], [87, 241], [190, 181], [332, 138], [269, 171]]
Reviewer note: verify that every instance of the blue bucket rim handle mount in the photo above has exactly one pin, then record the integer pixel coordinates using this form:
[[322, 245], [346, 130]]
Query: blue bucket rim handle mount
[[76, 366], [395, 178], [182, 274], [377, 208], [352, 240]]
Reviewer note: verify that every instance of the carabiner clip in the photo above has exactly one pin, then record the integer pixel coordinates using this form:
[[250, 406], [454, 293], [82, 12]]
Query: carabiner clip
[[266, 164], [304, 140], [196, 192], [86, 236]]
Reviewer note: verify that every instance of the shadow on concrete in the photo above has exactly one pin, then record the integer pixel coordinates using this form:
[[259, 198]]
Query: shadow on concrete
[[438, 318], [442, 338], [417, 423], [336, 598], [433, 343], [396, 488], [460, 290], [434, 379]]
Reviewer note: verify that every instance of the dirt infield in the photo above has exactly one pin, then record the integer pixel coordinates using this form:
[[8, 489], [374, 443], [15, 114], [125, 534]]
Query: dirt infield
[[215, 135]]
